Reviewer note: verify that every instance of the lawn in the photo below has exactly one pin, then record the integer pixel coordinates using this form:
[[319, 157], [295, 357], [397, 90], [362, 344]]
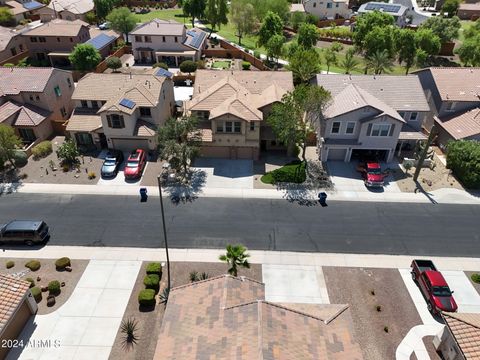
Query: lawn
[[164, 14], [293, 172], [221, 65]]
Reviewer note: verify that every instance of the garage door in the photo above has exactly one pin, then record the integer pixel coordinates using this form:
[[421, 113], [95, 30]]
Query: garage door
[[130, 144], [215, 151], [336, 154], [245, 153]]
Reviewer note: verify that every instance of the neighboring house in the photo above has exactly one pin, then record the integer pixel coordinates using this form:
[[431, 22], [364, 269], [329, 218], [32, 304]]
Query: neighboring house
[[12, 46], [468, 11], [454, 97], [399, 12], [370, 115], [22, 9], [460, 338], [232, 107], [228, 318], [16, 307], [297, 8], [35, 101], [327, 9], [120, 111], [167, 41], [66, 10], [54, 41]]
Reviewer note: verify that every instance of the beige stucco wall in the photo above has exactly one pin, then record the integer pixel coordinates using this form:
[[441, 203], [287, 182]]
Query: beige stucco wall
[[15, 326], [321, 11], [56, 43], [15, 43]]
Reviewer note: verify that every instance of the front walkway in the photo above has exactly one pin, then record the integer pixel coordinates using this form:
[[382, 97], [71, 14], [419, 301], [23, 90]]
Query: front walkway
[[86, 325]]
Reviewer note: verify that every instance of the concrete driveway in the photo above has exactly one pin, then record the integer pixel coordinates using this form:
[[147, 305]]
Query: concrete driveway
[[120, 178], [346, 178], [225, 173]]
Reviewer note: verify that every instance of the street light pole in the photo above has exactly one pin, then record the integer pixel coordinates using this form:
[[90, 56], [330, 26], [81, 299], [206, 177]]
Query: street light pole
[[164, 229]]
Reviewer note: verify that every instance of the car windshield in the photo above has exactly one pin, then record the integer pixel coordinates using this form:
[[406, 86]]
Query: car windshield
[[374, 171], [441, 291], [132, 164], [109, 162]]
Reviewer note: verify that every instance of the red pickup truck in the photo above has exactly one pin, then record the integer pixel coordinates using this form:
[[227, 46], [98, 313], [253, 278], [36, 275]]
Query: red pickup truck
[[433, 286], [372, 174]]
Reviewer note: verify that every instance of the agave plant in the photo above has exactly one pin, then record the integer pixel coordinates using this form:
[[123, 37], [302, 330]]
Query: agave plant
[[128, 328], [195, 276], [164, 295], [203, 276]]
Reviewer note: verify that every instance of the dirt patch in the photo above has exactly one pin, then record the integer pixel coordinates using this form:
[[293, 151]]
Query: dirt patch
[[353, 286], [153, 169], [47, 273], [475, 285], [149, 322]]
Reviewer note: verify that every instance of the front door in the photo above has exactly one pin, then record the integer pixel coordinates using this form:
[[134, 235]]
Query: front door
[[103, 141]]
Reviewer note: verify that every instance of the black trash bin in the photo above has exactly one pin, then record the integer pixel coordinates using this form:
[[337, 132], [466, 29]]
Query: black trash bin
[[143, 194], [322, 198]]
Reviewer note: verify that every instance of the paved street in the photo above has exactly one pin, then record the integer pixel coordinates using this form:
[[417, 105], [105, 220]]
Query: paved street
[[347, 227]]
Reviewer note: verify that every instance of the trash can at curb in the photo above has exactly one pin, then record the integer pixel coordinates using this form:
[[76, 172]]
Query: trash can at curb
[[143, 194], [322, 198]]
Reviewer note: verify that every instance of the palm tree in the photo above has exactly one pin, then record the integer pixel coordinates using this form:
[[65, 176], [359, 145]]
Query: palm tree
[[379, 61], [236, 256], [349, 63]]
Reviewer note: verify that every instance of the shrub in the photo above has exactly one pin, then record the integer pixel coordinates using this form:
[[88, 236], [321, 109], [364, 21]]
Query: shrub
[[188, 66], [91, 175], [41, 150], [256, 53], [61, 263], [54, 287], [146, 297], [31, 281], [33, 265], [10, 264], [113, 63], [36, 293], [201, 64], [463, 157], [160, 65], [20, 158], [68, 152], [246, 65], [152, 281], [476, 278], [154, 268]]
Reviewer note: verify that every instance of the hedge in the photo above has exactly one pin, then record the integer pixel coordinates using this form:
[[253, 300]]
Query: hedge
[[33, 265], [36, 293], [152, 281], [154, 268], [10, 264], [463, 158], [146, 297], [246, 65], [54, 287], [61, 263], [43, 149]]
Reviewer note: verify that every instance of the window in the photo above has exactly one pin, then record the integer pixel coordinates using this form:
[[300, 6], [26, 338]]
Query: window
[[450, 106], [148, 39], [37, 98], [33, 39], [237, 127], [69, 82], [57, 91], [252, 126], [314, 4], [115, 121], [83, 139], [228, 126], [163, 38], [145, 111], [138, 38], [413, 116], [63, 111], [31, 97], [71, 39], [20, 47], [380, 129], [95, 104], [27, 135], [103, 103], [350, 127], [335, 127], [329, 5], [58, 39], [13, 51], [84, 103], [219, 126], [402, 114], [176, 39], [336, 5], [42, 39]]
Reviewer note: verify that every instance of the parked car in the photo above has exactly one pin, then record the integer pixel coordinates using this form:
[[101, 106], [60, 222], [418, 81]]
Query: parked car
[[28, 232], [135, 164], [433, 286], [104, 26], [372, 174], [112, 163]]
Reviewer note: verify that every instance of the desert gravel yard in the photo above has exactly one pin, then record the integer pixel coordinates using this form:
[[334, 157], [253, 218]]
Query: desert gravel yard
[[356, 286]]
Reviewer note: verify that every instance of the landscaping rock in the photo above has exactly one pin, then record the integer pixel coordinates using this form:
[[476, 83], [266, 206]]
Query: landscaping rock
[[62, 284], [50, 300], [68, 268], [38, 278], [44, 288]]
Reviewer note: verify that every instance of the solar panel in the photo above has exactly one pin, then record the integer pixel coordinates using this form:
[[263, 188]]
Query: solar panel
[[197, 40], [31, 5], [164, 73], [100, 41], [127, 103], [385, 7], [191, 33]]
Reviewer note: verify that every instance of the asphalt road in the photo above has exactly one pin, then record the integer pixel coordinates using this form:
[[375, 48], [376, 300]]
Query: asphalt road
[[347, 227]]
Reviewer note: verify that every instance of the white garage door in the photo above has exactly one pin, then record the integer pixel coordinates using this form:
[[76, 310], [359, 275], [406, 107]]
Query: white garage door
[[130, 144], [336, 154]]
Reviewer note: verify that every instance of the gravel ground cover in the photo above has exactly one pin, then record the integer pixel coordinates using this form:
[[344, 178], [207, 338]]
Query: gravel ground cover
[[367, 291], [47, 273], [149, 322], [475, 285]]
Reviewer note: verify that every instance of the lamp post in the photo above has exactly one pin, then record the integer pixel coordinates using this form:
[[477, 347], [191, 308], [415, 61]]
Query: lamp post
[[164, 229]]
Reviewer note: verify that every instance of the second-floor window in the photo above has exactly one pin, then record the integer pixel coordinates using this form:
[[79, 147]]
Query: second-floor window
[[350, 127], [33, 39], [380, 130], [57, 91], [145, 111], [314, 4], [115, 121], [450, 106], [413, 116], [13, 51], [176, 39], [335, 127], [229, 127], [252, 126], [95, 104], [329, 5], [138, 38], [84, 103], [69, 82], [148, 39], [42, 39], [402, 114], [163, 38], [58, 39]]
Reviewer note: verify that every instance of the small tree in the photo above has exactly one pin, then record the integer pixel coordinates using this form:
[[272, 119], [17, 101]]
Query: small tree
[[349, 63], [68, 152], [236, 257], [6, 17], [297, 18], [85, 57], [272, 25], [8, 144], [194, 9], [91, 17], [114, 63], [188, 66], [242, 16], [463, 158], [274, 47], [469, 51], [122, 20], [379, 62], [450, 8], [103, 7], [446, 29], [304, 64], [307, 35]]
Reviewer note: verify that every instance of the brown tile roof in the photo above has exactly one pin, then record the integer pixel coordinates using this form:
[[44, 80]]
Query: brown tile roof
[[25, 115], [160, 27], [457, 84], [18, 79], [6, 35], [227, 318], [12, 292], [73, 6], [463, 125], [466, 6], [84, 122], [58, 27], [466, 331], [144, 128], [15, 7]]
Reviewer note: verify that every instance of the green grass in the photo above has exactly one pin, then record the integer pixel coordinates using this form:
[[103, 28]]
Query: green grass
[[221, 65], [249, 41], [293, 172], [165, 14]]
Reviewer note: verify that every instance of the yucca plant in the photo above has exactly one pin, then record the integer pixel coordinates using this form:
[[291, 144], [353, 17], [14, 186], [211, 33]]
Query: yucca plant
[[193, 276], [128, 328], [164, 295], [203, 276]]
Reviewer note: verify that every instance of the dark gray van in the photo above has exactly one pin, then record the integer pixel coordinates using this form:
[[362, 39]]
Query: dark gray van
[[28, 232]]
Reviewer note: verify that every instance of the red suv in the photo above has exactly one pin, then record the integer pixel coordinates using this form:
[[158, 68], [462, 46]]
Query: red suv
[[135, 164], [372, 174]]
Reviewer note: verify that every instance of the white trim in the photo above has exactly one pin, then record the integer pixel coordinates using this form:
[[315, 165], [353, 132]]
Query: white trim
[[354, 127]]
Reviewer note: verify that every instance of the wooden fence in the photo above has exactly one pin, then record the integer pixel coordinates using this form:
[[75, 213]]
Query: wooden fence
[[230, 51], [103, 65], [15, 59]]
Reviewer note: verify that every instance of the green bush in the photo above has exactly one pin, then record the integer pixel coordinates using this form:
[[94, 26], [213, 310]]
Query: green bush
[[336, 32], [256, 53], [31, 281], [20, 158], [463, 158], [41, 150], [476, 278], [152, 281], [33, 265], [10, 264], [146, 297], [54, 287], [36, 293], [160, 65], [113, 63], [154, 268], [188, 66], [61, 263], [246, 65]]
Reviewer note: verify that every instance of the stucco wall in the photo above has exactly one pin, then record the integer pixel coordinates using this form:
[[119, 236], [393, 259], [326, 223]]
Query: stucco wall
[[15, 326], [321, 11]]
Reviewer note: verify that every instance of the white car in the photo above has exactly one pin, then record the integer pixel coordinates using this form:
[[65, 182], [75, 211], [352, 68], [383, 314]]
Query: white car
[[104, 26]]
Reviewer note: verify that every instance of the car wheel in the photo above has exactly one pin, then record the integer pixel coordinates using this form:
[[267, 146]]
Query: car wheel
[[430, 308], [29, 242], [414, 277]]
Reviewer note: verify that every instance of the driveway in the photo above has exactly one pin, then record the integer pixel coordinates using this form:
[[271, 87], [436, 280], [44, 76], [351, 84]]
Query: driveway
[[346, 178], [86, 325], [120, 178], [225, 173]]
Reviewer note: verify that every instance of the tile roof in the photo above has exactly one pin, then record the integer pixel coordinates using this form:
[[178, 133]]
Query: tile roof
[[160, 27], [74, 6], [25, 115], [84, 122], [15, 7], [18, 79], [58, 27], [144, 128], [466, 331], [469, 6], [195, 38], [12, 292], [456, 84], [6, 35], [462, 125], [402, 93], [227, 318]]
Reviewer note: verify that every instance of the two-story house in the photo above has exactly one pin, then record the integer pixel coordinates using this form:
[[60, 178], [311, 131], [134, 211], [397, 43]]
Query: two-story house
[[167, 41], [370, 115], [22, 9], [35, 101], [454, 98], [12, 46], [232, 107], [326, 9], [66, 10], [399, 12], [120, 111]]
